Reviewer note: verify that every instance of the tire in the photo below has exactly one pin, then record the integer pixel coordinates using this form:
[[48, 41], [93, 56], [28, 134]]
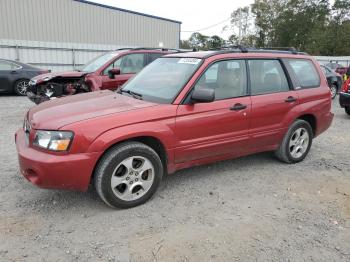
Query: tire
[[128, 175], [20, 87], [347, 110], [288, 151], [334, 90]]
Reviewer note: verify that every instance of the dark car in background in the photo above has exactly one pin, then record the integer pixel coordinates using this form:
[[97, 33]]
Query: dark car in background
[[334, 80], [15, 76], [108, 71]]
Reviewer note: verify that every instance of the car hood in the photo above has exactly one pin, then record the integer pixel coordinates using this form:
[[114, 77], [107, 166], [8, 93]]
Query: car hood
[[49, 76], [54, 114]]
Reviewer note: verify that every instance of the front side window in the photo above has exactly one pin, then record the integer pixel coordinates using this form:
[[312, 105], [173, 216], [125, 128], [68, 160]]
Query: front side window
[[305, 72], [228, 78], [163, 79], [267, 76], [98, 62], [128, 64]]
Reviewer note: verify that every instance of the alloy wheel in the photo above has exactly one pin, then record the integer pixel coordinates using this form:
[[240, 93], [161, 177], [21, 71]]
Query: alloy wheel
[[21, 87], [299, 142], [333, 89], [132, 178]]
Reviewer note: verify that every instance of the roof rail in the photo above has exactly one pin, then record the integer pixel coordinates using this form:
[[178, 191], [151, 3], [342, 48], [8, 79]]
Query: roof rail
[[293, 50], [125, 48], [149, 48], [242, 48]]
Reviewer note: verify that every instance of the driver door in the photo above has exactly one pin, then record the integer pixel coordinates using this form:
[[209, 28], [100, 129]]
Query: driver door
[[218, 128], [129, 65]]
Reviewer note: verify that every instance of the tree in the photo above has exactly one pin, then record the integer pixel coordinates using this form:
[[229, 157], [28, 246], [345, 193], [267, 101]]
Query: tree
[[215, 42], [232, 40], [198, 41], [313, 26], [185, 44]]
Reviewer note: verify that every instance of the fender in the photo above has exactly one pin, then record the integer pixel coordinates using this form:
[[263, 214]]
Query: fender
[[93, 82], [163, 132]]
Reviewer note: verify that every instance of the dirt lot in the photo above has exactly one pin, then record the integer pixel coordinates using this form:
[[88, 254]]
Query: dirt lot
[[249, 209]]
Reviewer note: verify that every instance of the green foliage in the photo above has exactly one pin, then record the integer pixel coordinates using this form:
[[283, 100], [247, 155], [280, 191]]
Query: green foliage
[[314, 26], [309, 25]]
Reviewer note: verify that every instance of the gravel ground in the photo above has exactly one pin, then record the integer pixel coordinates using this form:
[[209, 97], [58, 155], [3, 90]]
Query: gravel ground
[[249, 209]]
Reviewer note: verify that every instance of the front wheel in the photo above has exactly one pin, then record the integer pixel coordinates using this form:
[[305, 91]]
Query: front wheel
[[347, 110], [21, 86], [296, 143], [128, 175]]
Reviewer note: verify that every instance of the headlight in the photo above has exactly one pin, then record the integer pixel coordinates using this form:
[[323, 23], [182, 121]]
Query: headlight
[[53, 140], [32, 82], [47, 78]]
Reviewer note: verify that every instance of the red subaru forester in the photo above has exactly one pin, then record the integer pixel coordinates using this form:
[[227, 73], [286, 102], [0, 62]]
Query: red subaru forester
[[182, 110]]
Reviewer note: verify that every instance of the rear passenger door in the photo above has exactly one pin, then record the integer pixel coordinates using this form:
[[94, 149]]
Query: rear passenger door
[[307, 80], [6, 76], [272, 100]]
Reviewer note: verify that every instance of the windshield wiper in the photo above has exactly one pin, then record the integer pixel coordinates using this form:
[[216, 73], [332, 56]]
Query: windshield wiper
[[132, 93]]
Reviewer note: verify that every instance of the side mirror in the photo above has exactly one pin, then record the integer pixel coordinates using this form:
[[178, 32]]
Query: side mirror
[[112, 72], [203, 95]]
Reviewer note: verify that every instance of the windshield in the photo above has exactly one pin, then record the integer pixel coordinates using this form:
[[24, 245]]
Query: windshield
[[97, 62], [163, 79]]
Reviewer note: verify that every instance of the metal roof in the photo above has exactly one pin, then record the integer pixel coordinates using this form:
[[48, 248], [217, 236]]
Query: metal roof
[[127, 11]]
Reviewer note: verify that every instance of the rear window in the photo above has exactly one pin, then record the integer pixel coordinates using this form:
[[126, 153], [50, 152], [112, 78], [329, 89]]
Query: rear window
[[305, 71]]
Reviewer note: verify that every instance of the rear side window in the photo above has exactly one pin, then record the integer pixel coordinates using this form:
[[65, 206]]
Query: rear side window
[[267, 76], [154, 56], [305, 72]]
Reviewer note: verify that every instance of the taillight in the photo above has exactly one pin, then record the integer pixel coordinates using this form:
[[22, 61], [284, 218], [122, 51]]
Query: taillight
[[346, 86]]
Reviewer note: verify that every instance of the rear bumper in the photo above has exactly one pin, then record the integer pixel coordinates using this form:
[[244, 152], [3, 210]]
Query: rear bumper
[[70, 171], [324, 123], [344, 99]]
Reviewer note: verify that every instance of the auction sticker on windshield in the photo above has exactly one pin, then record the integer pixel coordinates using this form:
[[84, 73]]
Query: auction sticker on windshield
[[193, 61]]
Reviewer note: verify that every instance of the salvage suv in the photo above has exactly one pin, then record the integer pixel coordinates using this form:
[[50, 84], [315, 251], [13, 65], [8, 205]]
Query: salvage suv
[[182, 110], [108, 71]]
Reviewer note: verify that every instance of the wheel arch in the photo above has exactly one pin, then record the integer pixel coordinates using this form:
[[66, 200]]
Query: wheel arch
[[153, 142], [311, 119]]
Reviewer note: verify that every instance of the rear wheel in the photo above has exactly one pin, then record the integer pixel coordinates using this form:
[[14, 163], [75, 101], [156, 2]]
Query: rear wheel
[[128, 175], [334, 90], [347, 110], [296, 143], [21, 86]]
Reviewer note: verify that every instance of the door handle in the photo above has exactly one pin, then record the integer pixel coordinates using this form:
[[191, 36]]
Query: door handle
[[238, 107], [290, 99], [13, 72]]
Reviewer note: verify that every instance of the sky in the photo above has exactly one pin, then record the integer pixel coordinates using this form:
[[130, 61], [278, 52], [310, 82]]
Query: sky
[[194, 15]]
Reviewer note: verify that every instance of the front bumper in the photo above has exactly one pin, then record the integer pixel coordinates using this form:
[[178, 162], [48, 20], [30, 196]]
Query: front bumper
[[37, 99], [344, 99], [69, 171]]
